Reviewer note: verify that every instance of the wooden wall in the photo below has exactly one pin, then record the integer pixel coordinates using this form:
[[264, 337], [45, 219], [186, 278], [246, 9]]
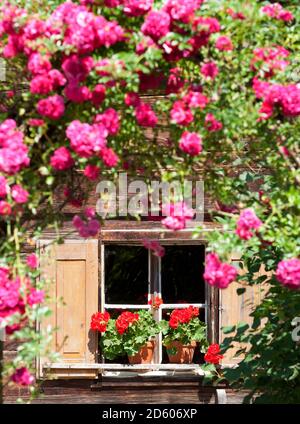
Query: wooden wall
[[150, 391]]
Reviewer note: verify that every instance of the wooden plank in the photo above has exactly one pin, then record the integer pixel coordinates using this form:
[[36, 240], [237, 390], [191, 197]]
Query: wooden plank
[[78, 391], [47, 255], [92, 298], [2, 335], [237, 308], [71, 282], [213, 314]]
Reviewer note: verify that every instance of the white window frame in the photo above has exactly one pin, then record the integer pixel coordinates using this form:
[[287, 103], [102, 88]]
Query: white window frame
[[157, 358]]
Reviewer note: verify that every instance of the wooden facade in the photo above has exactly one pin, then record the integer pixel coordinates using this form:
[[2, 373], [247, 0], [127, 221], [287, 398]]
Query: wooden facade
[[75, 268]]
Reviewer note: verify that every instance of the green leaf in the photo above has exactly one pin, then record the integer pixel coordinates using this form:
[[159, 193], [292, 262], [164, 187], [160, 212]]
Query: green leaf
[[228, 329]]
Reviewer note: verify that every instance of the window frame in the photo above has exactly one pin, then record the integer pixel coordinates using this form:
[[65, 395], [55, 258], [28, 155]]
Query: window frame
[[211, 305]]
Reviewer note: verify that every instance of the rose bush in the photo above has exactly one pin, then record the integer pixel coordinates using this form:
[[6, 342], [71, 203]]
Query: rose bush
[[74, 108]]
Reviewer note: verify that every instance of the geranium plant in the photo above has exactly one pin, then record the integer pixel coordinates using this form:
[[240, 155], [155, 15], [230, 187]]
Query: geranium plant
[[126, 334], [211, 367], [184, 326]]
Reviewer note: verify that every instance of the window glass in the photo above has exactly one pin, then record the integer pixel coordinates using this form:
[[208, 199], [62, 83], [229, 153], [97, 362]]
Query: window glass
[[126, 274], [182, 270]]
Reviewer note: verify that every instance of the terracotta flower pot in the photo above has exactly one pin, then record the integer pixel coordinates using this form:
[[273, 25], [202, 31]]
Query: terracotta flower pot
[[144, 355], [184, 353]]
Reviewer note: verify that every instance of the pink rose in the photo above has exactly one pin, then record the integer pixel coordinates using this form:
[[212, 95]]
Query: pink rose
[[35, 122], [46, 82], [10, 301], [77, 93], [182, 11], [137, 7], [195, 99], [13, 152], [181, 114], [212, 124], [278, 12], [288, 273], [246, 223], [287, 97], [77, 68], [4, 187], [14, 46], [155, 246], [98, 95], [132, 99], [145, 115], [110, 120], [210, 70], [61, 159], [19, 194], [92, 172], [32, 261], [224, 43], [89, 212], [206, 24], [52, 107], [35, 297], [85, 139], [86, 229], [107, 32], [190, 142], [156, 24], [218, 274], [22, 377], [57, 78], [38, 64], [109, 157], [41, 84], [177, 215], [34, 28], [5, 208]]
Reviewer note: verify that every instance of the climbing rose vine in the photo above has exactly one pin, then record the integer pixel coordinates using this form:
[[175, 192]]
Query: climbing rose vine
[[76, 108]]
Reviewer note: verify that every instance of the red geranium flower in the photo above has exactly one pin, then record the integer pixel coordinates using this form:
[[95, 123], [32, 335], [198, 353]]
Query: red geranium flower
[[213, 355], [125, 320], [182, 316], [156, 302], [99, 321]]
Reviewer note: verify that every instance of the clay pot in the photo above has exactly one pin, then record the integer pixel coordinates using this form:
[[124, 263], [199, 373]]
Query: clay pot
[[144, 355], [184, 353]]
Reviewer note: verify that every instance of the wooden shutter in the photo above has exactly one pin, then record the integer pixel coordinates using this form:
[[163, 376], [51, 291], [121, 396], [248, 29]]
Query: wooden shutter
[[236, 308], [72, 268]]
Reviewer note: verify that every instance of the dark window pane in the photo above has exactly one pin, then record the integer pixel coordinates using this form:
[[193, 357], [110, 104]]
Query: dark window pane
[[182, 270], [126, 274]]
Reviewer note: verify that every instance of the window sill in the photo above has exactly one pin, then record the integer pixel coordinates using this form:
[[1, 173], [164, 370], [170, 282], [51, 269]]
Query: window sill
[[92, 370]]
